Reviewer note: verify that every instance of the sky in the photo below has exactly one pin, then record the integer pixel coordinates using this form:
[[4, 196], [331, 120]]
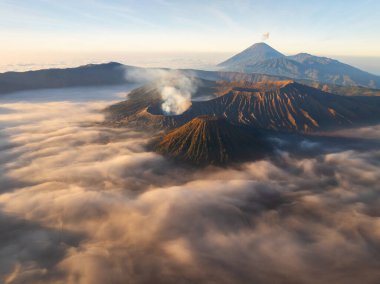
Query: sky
[[52, 29]]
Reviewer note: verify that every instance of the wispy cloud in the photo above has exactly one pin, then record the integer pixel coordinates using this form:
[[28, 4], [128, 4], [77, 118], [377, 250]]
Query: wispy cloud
[[227, 21], [123, 11]]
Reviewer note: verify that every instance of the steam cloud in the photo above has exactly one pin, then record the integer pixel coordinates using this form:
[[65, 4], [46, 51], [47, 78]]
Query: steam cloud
[[176, 88], [265, 36], [177, 99], [81, 203]]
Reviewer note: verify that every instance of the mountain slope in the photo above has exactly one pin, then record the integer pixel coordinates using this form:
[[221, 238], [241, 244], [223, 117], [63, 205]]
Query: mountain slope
[[283, 66], [211, 140], [325, 69], [303, 66], [253, 54]]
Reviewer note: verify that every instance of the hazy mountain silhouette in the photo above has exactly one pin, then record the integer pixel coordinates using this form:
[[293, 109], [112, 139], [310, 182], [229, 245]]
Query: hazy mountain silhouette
[[263, 59], [89, 75]]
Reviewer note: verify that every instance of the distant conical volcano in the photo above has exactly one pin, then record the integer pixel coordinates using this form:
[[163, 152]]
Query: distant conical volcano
[[260, 58], [253, 54], [212, 140]]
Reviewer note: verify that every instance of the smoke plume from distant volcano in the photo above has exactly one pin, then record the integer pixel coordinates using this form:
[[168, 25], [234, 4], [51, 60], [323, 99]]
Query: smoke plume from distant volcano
[[265, 36]]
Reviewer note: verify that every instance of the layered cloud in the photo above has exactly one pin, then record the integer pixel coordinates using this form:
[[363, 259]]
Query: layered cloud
[[83, 203]]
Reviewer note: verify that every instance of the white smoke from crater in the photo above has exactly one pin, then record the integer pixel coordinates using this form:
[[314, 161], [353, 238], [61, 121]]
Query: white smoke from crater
[[175, 101], [176, 88], [176, 92]]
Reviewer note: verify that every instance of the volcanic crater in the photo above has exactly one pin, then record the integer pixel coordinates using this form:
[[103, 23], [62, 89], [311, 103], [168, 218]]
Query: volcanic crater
[[215, 131]]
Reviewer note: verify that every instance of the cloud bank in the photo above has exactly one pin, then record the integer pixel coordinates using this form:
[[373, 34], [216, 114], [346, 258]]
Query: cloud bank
[[82, 203]]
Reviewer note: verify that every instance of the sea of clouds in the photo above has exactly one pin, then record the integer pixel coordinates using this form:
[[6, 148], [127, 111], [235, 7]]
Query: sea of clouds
[[84, 203]]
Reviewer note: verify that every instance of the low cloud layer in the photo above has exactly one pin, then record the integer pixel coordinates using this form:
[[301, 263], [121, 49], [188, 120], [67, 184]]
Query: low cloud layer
[[82, 203]]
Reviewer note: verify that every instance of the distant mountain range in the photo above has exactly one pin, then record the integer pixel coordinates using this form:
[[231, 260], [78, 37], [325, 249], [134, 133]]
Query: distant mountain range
[[263, 59], [114, 73]]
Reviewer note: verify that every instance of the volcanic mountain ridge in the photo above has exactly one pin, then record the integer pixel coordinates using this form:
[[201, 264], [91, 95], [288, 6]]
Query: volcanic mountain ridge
[[281, 106]]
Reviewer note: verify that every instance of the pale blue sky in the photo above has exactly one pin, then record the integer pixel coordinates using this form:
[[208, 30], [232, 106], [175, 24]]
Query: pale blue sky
[[324, 27]]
